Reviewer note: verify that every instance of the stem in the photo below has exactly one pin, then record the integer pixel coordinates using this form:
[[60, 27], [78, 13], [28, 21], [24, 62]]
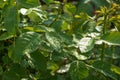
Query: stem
[[103, 50], [105, 24], [112, 51], [104, 31]]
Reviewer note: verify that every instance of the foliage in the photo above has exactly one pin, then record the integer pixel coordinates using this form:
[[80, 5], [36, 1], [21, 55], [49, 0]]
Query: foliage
[[49, 39]]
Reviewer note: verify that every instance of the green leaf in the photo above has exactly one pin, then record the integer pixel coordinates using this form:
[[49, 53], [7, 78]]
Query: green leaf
[[36, 14], [38, 61], [11, 19], [10, 22], [15, 72], [48, 1], [63, 69], [117, 25], [6, 59], [112, 38], [86, 44], [52, 66], [54, 40], [91, 24], [25, 44], [67, 39], [78, 70], [65, 25], [34, 17], [84, 6], [70, 8], [36, 28], [57, 25], [99, 3], [28, 3], [6, 36], [2, 3], [104, 68]]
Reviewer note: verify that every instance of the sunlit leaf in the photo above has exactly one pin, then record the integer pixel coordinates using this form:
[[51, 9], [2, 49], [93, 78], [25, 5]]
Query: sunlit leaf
[[115, 69], [86, 44], [64, 69], [65, 26], [54, 40], [36, 14], [52, 66], [69, 8], [2, 3]]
